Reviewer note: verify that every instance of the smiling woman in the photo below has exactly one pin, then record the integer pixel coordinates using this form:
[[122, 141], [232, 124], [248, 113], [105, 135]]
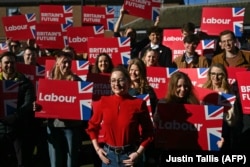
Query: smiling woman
[[120, 116]]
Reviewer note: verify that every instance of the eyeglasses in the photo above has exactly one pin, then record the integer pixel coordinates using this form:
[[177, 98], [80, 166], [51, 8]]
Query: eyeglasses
[[120, 81], [214, 74]]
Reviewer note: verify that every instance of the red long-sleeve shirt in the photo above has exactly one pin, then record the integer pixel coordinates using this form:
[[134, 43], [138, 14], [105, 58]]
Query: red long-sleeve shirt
[[121, 118]]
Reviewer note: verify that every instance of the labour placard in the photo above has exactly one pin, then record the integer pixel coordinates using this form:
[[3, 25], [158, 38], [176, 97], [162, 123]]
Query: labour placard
[[78, 36], [216, 19], [20, 27], [188, 126], [64, 99]]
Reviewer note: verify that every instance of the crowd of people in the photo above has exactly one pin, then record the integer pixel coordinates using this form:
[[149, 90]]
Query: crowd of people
[[124, 119]]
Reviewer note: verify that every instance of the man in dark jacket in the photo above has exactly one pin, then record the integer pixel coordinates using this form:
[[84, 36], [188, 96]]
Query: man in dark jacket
[[20, 123], [165, 53]]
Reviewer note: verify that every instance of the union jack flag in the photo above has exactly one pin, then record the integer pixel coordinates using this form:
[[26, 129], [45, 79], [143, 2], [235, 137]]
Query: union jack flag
[[67, 9], [110, 11], [144, 97], [202, 72], [124, 41], [10, 86], [238, 12], [85, 87], [226, 99], [213, 112], [30, 17], [237, 26], [125, 57], [85, 107], [98, 30], [110, 23], [40, 71], [65, 40], [207, 44], [171, 71], [33, 30], [66, 26], [8, 98], [10, 106], [155, 12], [3, 47], [82, 65], [213, 135], [69, 20]]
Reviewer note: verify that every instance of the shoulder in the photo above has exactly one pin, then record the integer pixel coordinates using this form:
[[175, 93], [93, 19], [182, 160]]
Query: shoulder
[[164, 47], [246, 53], [178, 58], [218, 56]]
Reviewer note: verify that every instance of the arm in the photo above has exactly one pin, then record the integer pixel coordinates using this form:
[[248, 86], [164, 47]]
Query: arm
[[119, 20]]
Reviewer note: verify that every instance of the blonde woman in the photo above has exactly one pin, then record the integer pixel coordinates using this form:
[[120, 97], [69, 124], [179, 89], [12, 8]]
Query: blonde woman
[[217, 80], [63, 135]]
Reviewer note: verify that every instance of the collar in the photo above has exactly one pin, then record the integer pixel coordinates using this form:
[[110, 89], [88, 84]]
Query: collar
[[15, 78], [195, 58], [153, 46]]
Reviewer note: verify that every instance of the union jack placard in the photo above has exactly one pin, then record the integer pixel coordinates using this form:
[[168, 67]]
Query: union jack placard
[[8, 98]]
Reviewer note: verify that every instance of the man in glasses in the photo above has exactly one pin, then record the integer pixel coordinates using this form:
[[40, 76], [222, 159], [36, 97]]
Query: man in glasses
[[231, 56]]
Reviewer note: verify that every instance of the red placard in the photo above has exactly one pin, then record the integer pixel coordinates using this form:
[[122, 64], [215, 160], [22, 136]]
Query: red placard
[[158, 78], [117, 48], [173, 39], [54, 37], [148, 9], [198, 76], [99, 15], [188, 127], [79, 67], [244, 90], [20, 27], [58, 102], [216, 19], [34, 73], [101, 84], [78, 36], [210, 97], [8, 98], [56, 14]]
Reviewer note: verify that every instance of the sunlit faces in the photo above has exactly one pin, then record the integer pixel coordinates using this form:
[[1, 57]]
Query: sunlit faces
[[155, 38], [119, 84], [151, 58], [8, 65], [216, 76], [190, 47], [103, 64], [181, 88], [29, 57], [64, 64], [134, 73], [227, 42]]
